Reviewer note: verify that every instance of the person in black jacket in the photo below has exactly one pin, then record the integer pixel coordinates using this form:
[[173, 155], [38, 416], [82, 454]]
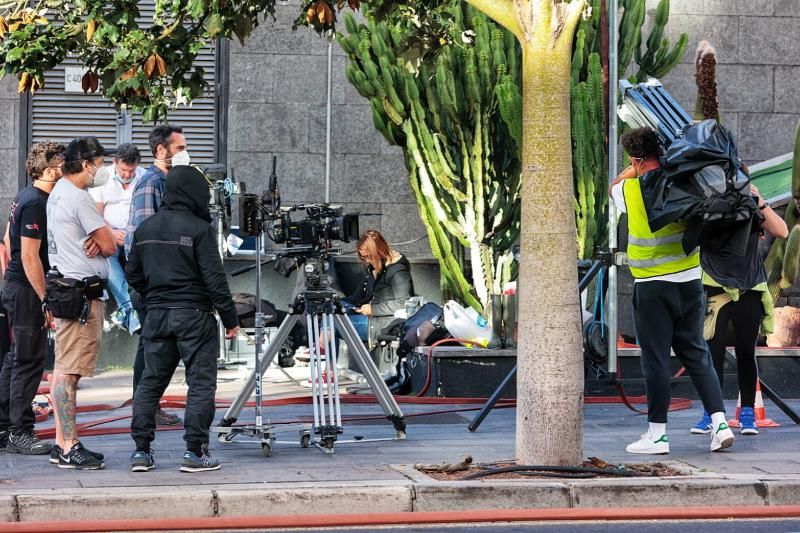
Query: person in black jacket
[[386, 283], [174, 264]]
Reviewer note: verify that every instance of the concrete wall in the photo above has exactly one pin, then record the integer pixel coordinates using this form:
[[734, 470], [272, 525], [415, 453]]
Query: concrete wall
[[277, 106], [758, 70], [9, 144]]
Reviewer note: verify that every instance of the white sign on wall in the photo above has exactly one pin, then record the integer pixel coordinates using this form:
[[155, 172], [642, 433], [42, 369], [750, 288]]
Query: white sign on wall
[[72, 79]]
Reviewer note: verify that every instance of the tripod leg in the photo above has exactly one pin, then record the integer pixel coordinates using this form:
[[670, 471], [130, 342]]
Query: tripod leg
[[370, 372], [312, 367], [316, 356], [332, 369], [490, 403], [272, 351]]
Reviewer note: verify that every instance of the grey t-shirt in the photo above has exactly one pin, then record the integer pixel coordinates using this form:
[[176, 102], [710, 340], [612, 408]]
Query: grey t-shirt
[[71, 216]]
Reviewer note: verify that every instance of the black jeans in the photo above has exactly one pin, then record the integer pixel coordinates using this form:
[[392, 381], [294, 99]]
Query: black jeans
[[23, 365], [745, 316], [668, 314], [170, 336]]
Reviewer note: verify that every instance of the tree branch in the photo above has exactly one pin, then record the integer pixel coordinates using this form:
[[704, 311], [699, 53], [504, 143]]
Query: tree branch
[[571, 18], [502, 12]]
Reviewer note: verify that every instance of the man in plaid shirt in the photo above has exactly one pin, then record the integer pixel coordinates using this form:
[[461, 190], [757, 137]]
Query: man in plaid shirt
[[166, 142]]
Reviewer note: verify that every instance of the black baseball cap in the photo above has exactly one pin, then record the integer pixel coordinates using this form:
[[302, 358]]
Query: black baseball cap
[[85, 148]]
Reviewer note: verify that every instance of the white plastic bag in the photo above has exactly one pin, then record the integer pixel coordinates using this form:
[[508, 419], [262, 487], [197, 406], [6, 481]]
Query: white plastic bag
[[467, 324]]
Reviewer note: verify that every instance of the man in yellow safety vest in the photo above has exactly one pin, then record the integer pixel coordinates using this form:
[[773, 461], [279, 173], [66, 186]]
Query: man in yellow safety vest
[[668, 305]]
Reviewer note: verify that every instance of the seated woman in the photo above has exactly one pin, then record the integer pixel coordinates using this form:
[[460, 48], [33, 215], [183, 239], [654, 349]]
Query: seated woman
[[385, 286]]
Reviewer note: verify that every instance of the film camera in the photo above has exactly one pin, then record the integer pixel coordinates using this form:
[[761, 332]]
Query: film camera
[[322, 225]]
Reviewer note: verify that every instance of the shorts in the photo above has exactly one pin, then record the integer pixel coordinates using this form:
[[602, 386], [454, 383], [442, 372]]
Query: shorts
[[78, 345]]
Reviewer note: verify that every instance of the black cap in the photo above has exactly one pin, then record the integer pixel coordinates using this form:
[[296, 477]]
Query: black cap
[[85, 148]]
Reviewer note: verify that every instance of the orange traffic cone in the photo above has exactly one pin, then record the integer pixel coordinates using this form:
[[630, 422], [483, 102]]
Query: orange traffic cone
[[761, 412]]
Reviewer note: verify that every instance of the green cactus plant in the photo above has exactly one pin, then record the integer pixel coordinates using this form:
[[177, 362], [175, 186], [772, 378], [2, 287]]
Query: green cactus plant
[[784, 255], [460, 124]]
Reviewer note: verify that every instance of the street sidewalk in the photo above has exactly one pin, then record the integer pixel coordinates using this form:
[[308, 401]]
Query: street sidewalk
[[378, 476]]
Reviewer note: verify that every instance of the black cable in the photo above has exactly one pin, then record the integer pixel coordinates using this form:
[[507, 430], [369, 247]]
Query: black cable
[[561, 469]]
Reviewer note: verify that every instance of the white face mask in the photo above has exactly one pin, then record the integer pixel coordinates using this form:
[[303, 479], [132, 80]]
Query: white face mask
[[181, 158]]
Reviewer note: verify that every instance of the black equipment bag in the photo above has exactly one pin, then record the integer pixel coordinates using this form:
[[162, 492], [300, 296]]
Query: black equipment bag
[[65, 297]]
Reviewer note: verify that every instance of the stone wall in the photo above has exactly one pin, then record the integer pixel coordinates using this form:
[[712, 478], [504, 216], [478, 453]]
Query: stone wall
[[9, 145], [758, 71]]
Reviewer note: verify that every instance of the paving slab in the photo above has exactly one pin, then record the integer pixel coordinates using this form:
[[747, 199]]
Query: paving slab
[[378, 475]]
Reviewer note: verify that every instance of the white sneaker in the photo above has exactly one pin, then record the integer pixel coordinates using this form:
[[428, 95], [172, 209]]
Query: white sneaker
[[646, 445], [722, 438]]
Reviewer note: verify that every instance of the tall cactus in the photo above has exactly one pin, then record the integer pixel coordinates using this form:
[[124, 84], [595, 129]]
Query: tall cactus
[[784, 255], [589, 112], [459, 122]]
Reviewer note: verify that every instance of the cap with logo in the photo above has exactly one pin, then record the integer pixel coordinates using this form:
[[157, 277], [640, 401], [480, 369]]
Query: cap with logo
[[85, 148]]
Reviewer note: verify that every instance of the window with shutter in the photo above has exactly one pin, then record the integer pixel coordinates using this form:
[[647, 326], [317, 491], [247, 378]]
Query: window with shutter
[[61, 111]]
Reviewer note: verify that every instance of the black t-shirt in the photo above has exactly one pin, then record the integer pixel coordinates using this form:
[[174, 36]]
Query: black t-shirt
[[27, 218], [735, 271]]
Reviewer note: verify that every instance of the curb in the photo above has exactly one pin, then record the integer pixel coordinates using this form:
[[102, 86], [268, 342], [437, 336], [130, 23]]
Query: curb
[[370, 497]]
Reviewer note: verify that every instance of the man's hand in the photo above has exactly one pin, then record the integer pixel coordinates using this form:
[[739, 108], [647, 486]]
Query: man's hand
[[628, 173], [365, 309], [48, 320], [91, 248], [231, 333], [3, 258], [119, 237]]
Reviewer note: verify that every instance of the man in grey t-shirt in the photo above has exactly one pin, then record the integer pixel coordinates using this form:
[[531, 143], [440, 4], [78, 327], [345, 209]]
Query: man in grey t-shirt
[[78, 242]]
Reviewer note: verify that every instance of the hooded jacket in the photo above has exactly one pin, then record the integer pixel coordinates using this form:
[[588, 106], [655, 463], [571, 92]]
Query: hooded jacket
[[174, 261]]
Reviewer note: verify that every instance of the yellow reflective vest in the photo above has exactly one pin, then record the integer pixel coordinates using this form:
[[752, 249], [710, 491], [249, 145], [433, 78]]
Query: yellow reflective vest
[[653, 254]]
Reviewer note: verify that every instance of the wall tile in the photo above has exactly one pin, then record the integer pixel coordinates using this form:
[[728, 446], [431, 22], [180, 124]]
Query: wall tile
[[760, 8], [251, 78], [787, 8], [352, 130], [720, 31], [268, 127], [764, 136], [787, 88], [769, 40]]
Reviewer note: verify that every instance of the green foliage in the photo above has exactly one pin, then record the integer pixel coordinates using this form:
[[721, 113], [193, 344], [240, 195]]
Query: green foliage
[[784, 255], [458, 119]]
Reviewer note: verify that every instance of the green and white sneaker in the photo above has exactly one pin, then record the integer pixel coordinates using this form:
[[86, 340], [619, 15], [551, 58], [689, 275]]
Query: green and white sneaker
[[649, 446], [722, 438]]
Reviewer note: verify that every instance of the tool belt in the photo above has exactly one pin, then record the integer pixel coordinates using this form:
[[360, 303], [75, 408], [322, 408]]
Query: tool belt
[[69, 298]]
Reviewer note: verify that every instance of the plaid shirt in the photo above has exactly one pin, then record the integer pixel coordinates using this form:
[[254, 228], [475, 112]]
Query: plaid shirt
[[145, 202]]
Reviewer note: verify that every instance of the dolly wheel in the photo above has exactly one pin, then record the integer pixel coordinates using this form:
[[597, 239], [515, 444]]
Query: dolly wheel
[[305, 440], [266, 449]]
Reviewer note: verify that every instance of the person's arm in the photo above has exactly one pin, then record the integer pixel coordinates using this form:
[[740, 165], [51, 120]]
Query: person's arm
[[402, 291], [5, 253], [210, 263], [773, 224], [104, 239], [134, 273], [626, 174], [32, 264]]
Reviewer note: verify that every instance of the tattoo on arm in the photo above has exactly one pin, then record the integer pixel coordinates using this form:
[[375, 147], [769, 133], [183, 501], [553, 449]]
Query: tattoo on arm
[[64, 395]]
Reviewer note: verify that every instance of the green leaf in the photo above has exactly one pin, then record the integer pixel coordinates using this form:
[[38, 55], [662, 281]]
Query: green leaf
[[213, 25]]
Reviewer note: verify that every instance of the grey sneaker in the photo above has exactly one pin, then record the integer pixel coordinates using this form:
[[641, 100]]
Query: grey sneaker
[[3, 440], [26, 442], [80, 458], [164, 418], [193, 463], [56, 451], [142, 461]]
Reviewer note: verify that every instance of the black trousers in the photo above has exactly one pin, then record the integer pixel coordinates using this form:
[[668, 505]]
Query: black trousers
[[668, 314], [23, 365], [170, 336], [745, 316], [138, 362]]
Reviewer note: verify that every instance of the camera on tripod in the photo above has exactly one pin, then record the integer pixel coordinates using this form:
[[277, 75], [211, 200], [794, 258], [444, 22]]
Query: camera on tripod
[[323, 224]]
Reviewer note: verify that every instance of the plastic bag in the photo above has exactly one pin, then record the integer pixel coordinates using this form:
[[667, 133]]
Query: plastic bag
[[467, 324]]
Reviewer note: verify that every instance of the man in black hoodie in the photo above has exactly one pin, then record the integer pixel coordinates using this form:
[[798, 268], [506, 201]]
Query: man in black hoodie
[[174, 264]]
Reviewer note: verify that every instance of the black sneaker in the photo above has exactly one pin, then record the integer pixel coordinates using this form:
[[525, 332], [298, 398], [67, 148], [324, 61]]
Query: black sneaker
[[142, 461], [164, 418], [80, 458], [56, 451], [26, 442], [3, 440], [192, 463]]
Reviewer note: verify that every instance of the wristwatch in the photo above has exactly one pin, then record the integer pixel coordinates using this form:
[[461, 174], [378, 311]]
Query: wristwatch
[[763, 206]]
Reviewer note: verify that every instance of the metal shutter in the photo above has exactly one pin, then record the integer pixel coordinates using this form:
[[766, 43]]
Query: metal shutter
[[61, 116]]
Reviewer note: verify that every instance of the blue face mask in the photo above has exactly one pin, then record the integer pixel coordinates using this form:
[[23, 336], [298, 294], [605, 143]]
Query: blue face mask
[[122, 181]]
